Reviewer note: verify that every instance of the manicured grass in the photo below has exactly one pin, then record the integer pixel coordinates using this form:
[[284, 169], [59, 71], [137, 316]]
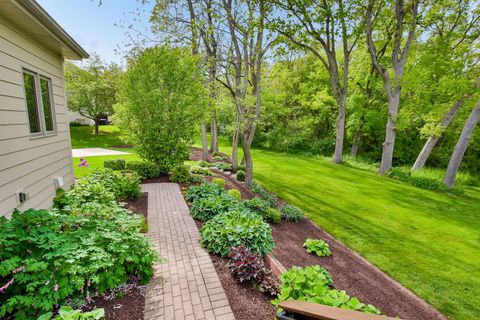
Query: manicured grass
[[97, 163], [84, 137], [426, 240]]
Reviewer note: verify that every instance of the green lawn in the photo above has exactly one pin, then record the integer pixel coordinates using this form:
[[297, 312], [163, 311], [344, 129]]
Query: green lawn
[[428, 241]]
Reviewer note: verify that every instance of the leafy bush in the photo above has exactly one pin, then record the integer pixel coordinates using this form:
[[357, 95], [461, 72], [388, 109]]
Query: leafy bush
[[196, 178], [264, 194], [235, 193], [200, 170], [219, 181], [203, 163], [204, 190], [208, 207], [180, 174], [49, 257], [235, 228], [317, 246], [115, 164], [217, 154], [217, 158], [160, 100], [313, 284], [240, 175], [291, 213], [273, 215], [67, 313], [247, 266], [145, 169], [223, 166]]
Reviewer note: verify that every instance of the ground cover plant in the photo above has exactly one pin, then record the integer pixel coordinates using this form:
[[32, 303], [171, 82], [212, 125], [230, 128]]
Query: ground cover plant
[[291, 213], [235, 228], [318, 247], [240, 175], [206, 208], [180, 174], [68, 313], [314, 284]]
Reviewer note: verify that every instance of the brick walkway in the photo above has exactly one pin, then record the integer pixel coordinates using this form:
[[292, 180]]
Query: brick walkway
[[187, 285]]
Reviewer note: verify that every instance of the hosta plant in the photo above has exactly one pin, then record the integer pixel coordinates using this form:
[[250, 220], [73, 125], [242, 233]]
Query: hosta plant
[[235, 228], [204, 190], [200, 170], [235, 193], [264, 194], [318, 247], [314, 284], [206, 208], [67, 313]]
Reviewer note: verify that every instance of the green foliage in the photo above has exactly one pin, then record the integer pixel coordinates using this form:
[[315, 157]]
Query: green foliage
[[219, 181], [317, 246], [313, 284], [273, 215], [180, 174], [223, 166], [217, 154], [208, 207], [204, 190], [115, 164], [200, 170], [240, 175], [196, 178], [67, 313], [145, 169], [217, 158], [161, 99], [257, 205], [203, 163], [235, 193], [52, 257], [404, 174], [235, 228], [123, 186], [264, 194], [291, 213]]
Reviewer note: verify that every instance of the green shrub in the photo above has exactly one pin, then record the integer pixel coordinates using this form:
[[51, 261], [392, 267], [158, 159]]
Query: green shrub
[[203, 163], [115, 164], [180, 174], [217, 158], [273, 215], [257, 206], [124, 186], [235, 228], [242, 167], [48, 258], [204, 190], [217, 154], [67, 313], [145, 169], [264, 194], [240, 175], [219, 181], [208, 207], [317, 246], [291, 213], [235, 193], [196, 178], [313, 284], [223, 166], [200, 170]]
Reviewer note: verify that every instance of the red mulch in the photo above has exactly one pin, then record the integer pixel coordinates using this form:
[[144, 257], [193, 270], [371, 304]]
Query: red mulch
[[350, 271]]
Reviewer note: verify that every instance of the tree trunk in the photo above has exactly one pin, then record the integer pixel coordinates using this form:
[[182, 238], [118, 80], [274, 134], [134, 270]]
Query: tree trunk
[[97, 126], [433, 140], [389, 143], [214, 132], [340, 132], [235, 144], [203, 128], [356, 144], [461, 147], [248, 164]]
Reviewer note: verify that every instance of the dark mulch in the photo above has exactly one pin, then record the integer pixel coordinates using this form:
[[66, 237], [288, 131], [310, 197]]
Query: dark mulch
[[139, 205], [162, 179], [126, 303], [350, 271], [246, 301]]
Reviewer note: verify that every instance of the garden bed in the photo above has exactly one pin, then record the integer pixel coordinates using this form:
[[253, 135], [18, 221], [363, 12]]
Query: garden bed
[[350, 271]]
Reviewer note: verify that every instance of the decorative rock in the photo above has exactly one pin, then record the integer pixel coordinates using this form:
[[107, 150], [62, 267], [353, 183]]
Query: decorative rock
[[227, 173]]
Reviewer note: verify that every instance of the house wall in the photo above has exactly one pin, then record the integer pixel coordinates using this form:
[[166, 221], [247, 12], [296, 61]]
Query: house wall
[[30, 163]]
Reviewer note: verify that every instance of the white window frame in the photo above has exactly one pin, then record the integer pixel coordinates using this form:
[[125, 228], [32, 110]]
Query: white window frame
[[40, 109]]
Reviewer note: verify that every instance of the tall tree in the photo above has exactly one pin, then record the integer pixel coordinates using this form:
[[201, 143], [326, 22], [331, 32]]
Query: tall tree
[[322, 27], [91, 88], [405, 26], [461, 147]]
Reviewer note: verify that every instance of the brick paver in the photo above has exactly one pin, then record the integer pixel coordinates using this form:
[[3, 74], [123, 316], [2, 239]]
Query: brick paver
[[187, 285]]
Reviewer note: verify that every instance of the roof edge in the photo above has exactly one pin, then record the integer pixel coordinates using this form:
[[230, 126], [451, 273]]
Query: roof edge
[[32, 7]]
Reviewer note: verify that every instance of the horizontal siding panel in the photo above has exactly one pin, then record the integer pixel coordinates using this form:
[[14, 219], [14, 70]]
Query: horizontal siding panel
[[19, 144], [11, 89], [29, 173], [26, 43], [13, 103], [10, 75], [15, 131], [30, 154], [12, 117]]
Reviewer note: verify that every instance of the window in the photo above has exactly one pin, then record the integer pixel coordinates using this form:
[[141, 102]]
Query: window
[[38, 96]]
